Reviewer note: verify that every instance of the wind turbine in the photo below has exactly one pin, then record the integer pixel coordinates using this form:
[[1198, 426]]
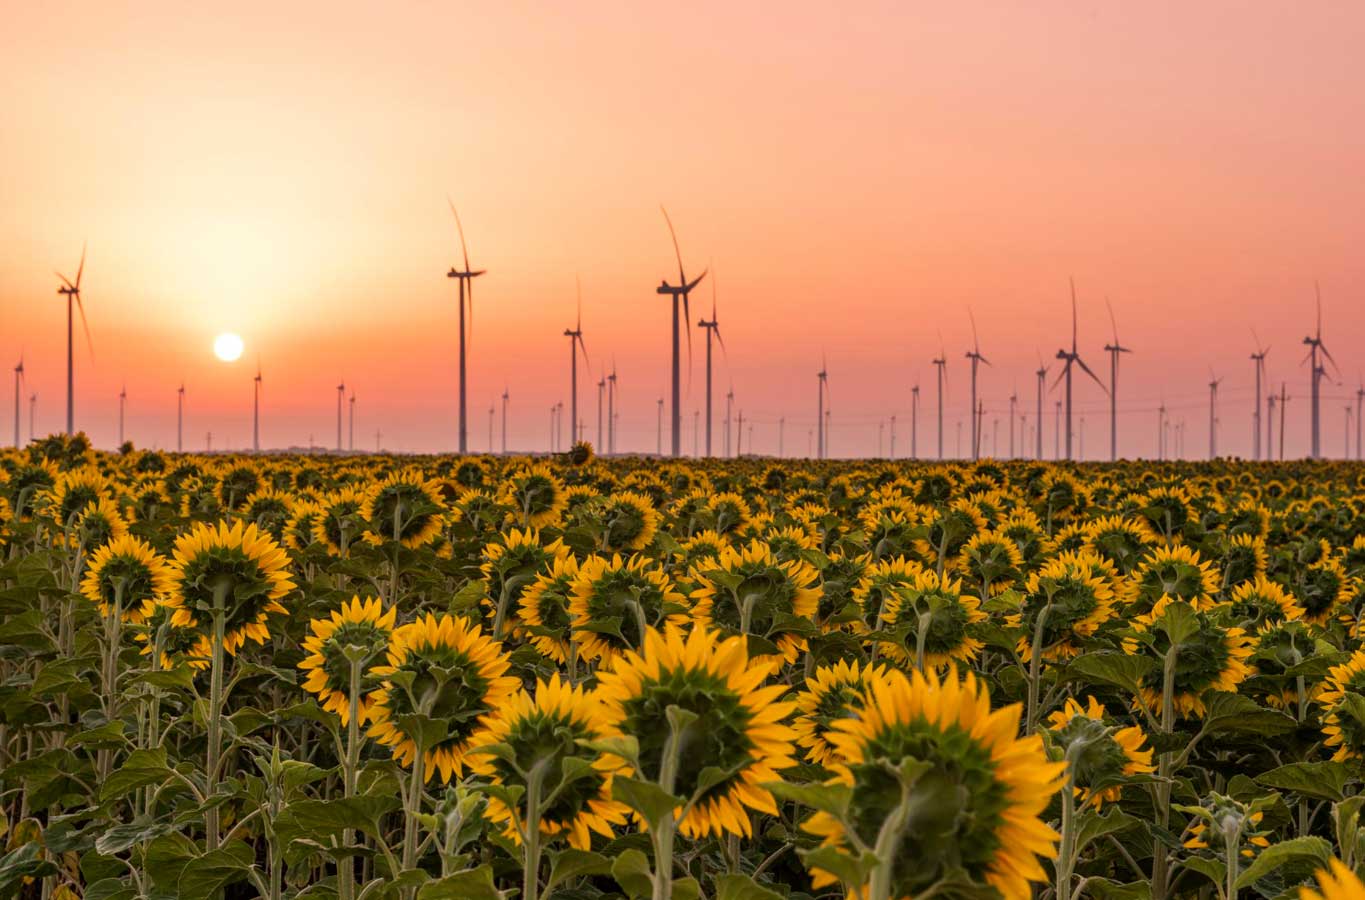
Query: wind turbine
[[942, 364], [914, 422], [341, 395], [350, 424], [32, 411], [122, 402], [1014, 402], [72, 292], [1114, 350], [712, 328], [505, 396], [1258, 359], [1360, 401], [611, 410], [575, 336], [179, 419], [256, 410], [466, 278], [821, 385], [681, 291], [18, 387], [1316, 347], [1038, 426], [1214, 381], [729, 410], [1072, 358], [975, 356], [601, 398]]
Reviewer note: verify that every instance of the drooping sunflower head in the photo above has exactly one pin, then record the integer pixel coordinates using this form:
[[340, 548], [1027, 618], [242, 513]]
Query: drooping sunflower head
[[126, 572], [934, 620], [615, 602], [26, 485], [405, 507], [790, 541], [1100, 755], [1066, 602], [237, 566], [977, 802], [536, 495], [72, 492], [342, 521], [728, 511], [1342, 701], [1259, 602], [360, 629], [445, 669], [1324, 587], [303, 518], [1177, 571], [1123, 540], [1212, 656], [236, 484], [748, 591], [950, 529], [739, 727], [178, 643], [1244, 559], [270, 509], [628, 521], [992, 559], [698, 547], [100, 522], [543, 611], [1168, 510], [543, 730], [842, 573], [877, 587], [830, 694], [512, 561], [1026, 530]]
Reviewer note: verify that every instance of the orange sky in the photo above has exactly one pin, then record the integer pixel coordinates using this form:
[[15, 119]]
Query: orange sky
[[857, 180]]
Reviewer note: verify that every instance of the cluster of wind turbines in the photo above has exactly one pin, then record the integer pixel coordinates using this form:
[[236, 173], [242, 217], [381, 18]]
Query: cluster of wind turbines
[[1267, 403]]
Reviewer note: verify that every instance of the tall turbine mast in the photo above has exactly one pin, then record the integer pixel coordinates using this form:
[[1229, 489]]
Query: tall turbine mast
[[72, 292], [712, 327], [1317, 351], [466, 278], [975, 356], [1114, 350], [1258, 359], [680, 291], [1069, 359], [18, 389], [941, 363], [575, 336]]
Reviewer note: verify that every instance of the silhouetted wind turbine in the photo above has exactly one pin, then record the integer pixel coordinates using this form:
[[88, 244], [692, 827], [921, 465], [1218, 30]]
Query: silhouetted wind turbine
[[505, 397], [72, 292], [575, 336], [256, 410], [180, 418], [18, 388], [821, 383], [466, 278], [611, 409], [341, 395], [1258, 359], [712, 327], [122, 402], [1014, 402], [680, 291], [1070, 358], [975, 356], [1114, 350], [1316, 347], [1214, 381], [350, 424], [32, 412], [1038, 425], [942, 364], [1360, 402], [914, 422], [729, 412]]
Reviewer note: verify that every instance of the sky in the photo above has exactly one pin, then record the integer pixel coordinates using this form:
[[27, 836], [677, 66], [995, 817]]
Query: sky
[[857, 179]]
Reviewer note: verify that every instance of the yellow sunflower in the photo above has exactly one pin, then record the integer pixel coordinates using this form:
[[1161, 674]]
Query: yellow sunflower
[[979, 803], [538, 497], [405, 507], [1337, 882], [747, 591], [359, 623], [937, 618], [1066, 602], [342, 520], [1101, 754], [628, 521], [1179, 572], [830, 694], [126, 572], [543, 611], [451, 671], [738, 738], [615, 602], [1214, 657]]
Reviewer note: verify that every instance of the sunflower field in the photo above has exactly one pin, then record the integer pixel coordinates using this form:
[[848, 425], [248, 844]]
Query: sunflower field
[[568, 678]]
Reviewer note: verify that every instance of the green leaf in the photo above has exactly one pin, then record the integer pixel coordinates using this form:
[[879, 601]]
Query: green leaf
[[121, 837], [1301, 849], [1226, 711], [1093, 825], [1212, 869], [1320, 780], [204, 876], [1104, 889], [841, 864], [742, 887], [645, 797], [21, 863], [686, 888], [141, 769], [320, 818], [425, 731], [631, 871], [575, 864], [830, 798], [1108, 667], [471, 884]]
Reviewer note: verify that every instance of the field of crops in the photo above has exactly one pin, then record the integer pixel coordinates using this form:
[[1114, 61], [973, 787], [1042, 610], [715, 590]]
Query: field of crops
[[576, 678]]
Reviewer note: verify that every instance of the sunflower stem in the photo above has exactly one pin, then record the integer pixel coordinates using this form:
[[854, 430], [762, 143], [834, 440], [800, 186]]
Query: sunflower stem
[[1160, 859], [662, 837], [346, 875], [414, 807], [215, 712], [1035, 670], [1066, 854], [535, 779]]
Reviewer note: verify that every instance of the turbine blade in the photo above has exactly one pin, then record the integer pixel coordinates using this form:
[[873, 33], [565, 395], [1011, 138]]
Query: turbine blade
[[64, 279], [1323, 348], [687, 288], [711, 268], [1073, 315], [1080, 362], [1060, 375], [460, 228], [1113, 323], [578, 283], [81, 269], [1317, 290], [85, 326], [715, 329], [584, 347], [976, 344], [682, 279], [469, 297]]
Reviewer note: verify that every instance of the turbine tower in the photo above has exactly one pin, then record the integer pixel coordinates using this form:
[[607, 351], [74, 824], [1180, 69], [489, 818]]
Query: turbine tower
[[1316, 352], [821, 385], [505, 396], [1038, 424], [942, 365], [575, 336], [611, 410], [341, 396], [179, 419], [1214, 381], [1258, 359], [18, 388], [256, 411], [350, 423], [466, 278], [72, 292], [975, 356], [712, 327], [1114, 350], [681, 291], [1069, 359], [914, 422], [122, 402]]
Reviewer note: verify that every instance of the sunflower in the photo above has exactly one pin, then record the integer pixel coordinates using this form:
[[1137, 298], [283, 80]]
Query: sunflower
[[512, 562], [978, 804], [1168, 510], [270, 510], [876, 588], [747, 591], [950, 530], [993, 561], [99, 523], [1100, 755], [628, 521], [1179, 572], [1212, 658], [1342, 700], [1026, 530], [614, 602], [452, 672], [544, 730], [327, 669], [72, 492], [1337, 882], [177, 643], [26, 486], [699, 546], [790, 542], [405, 507], [1325, 588], [537, 495], [129, 570], [1122, 540], [543, 611], [727, 511], [830, 694], [738, 740], [1066, 601], [236, 565], [303, 518], [936, 619], [1260, 602], [237, 484], [1244, 559]]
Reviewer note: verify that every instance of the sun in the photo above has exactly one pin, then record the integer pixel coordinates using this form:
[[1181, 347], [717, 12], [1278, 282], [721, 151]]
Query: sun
[[227, 346]]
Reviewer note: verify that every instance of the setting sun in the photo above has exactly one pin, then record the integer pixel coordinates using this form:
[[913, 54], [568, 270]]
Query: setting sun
[[227, 347]]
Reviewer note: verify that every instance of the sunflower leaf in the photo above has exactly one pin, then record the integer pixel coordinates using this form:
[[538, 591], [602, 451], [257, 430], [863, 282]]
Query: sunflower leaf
[[645, 797], [829, 798], [742, 887], [1118, 669], [632, 873], [471, 884], [573, 863], [1301, 849], [1320, 780]]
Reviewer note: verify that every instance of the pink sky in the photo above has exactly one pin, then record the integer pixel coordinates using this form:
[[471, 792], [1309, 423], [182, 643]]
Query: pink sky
[[857, 179]]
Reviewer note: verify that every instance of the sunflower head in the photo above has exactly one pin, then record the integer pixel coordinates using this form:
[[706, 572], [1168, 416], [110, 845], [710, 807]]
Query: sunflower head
[[628, 522], [1178, 572], [512, 561], [831, 694], [1100, 756], [270, 509], [1324, 587], [72, 492], [1210, 654], [1122, 540], [1244, 559], [405, 507], [1066, 602], [747, 591], [1259, 602], [128, 570], [536, 495], [543, 611], [934, 620], [992, 559], [971, 793], [616, 601], [234, 567], [358, 632], [444, 669], [1337, 882], [735, 724], [534, 734]]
